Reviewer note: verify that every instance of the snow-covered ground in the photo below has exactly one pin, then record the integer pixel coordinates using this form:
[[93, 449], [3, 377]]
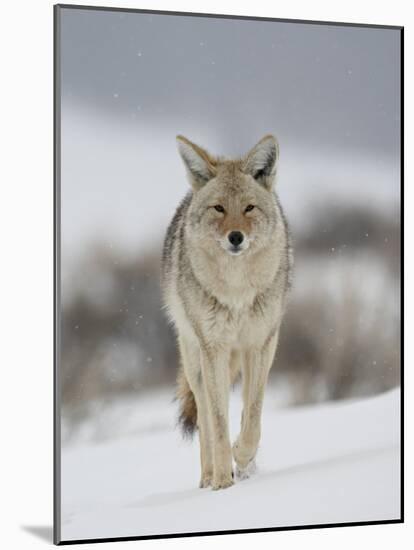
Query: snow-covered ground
[[336, 462]]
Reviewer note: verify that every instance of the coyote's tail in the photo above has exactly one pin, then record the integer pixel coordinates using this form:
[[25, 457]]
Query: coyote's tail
[[188, 408]]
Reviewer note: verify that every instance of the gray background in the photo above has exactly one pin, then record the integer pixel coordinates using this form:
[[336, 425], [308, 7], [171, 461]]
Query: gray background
[[318, 84]]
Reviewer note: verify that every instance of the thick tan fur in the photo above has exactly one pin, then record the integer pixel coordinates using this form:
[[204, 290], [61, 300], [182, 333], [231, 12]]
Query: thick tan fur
[[226, 272], [188, 407]]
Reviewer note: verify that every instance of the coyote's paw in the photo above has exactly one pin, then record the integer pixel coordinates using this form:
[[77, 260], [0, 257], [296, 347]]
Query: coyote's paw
[[205, 481], [245, 473], [243, 454], [223, 482]]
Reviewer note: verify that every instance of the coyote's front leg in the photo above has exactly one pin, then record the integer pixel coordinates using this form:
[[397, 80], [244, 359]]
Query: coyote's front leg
[[190, 355], [216, 380], [255, 373]]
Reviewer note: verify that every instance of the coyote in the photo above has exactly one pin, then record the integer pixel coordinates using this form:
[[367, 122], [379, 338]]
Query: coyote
[[226, 272]]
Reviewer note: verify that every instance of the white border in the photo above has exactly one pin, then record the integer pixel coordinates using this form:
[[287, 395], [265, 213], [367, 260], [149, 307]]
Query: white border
[[26, 254]]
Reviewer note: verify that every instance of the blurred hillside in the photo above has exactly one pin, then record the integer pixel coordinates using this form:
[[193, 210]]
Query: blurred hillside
[[340, 336]]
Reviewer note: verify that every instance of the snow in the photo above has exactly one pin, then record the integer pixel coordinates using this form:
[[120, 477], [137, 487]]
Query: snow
[[331, 463]]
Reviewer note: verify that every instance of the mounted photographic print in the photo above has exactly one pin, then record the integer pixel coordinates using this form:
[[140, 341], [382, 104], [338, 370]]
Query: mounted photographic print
[[227, 274]]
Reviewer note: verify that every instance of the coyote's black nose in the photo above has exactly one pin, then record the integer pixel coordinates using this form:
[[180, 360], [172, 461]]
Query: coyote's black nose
[[236, 238]]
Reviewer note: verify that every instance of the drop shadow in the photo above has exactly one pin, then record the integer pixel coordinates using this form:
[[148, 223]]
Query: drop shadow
[[43, 532]]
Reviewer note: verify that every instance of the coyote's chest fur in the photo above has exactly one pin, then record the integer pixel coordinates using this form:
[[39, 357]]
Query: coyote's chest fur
[[237, 297]]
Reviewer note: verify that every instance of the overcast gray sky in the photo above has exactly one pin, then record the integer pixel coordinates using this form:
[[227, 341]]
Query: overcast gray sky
[[310, 84]]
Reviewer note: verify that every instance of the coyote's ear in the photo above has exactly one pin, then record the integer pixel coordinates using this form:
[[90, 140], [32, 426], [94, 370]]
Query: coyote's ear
[[260, 162], [200, 165]]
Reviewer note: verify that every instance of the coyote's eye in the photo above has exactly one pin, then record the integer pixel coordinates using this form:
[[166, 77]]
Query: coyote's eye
[[219, 208], [249, 208]]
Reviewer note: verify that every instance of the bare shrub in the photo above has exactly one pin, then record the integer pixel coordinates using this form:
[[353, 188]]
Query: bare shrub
[[330, 350]]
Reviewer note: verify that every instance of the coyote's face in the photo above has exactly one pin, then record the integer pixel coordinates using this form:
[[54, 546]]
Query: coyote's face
[[233, 210]]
